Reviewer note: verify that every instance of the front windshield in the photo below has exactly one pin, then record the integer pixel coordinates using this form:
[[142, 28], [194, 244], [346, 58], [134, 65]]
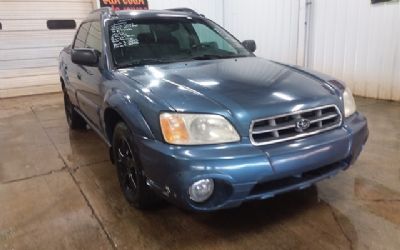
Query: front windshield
[[142, 42]]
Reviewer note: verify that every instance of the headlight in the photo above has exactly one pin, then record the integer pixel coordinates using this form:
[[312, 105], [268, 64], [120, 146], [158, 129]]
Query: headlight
[[201, 190], [349, 103], [196, 129]]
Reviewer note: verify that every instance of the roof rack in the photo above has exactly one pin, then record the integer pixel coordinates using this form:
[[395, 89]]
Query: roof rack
[[187, 10]]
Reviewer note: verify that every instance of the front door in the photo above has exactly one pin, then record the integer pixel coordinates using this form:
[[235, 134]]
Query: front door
[[90, 78]]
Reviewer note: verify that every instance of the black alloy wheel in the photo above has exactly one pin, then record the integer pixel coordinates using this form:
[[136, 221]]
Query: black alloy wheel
[[130, 176]]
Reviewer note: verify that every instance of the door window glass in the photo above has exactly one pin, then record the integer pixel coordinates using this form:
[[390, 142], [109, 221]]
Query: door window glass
[[93, 40], [81, 36], [211, 38]]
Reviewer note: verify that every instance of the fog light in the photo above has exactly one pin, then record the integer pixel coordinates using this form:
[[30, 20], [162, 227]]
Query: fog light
[[201, 190]]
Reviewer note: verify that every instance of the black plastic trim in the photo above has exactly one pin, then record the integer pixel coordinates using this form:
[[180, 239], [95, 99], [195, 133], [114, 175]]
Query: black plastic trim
[[61, 24]]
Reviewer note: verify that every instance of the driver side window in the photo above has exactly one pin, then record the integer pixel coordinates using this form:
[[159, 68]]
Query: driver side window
[[93, 40], [211, 39], [81, 37]]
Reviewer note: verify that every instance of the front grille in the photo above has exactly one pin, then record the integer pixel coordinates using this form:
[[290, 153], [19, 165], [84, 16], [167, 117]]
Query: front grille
[[294, 125]]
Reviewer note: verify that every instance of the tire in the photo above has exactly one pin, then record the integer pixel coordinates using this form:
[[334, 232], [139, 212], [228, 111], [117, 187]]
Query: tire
[[129, 170], [75, 120]]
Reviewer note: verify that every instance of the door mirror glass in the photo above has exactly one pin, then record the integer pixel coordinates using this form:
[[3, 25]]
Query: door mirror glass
[[250, 45], [86, 57]]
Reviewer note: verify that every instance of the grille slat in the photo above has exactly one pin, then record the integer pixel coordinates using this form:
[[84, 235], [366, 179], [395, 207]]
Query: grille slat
[[319, 114], [287, 127], [267, 129], [325, 117]]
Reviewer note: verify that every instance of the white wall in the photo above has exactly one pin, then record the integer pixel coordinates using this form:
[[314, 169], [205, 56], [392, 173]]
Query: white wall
[[272, 23], [359, 43], [28, 49]]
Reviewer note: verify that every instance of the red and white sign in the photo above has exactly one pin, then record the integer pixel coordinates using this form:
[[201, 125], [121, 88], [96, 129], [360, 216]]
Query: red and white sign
[[125, 4]]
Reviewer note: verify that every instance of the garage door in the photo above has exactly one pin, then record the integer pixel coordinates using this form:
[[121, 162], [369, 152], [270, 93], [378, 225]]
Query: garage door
[[29, 44]]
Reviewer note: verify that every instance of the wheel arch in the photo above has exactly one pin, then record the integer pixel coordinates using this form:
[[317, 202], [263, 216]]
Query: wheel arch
[[111, 119], [119, 108]]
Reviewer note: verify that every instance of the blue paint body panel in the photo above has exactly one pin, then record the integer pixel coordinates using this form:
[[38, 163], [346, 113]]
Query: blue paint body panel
[[241, 90], [242, 165]]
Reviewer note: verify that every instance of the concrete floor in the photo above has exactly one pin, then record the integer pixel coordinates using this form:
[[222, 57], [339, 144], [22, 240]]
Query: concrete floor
[[59, 191]]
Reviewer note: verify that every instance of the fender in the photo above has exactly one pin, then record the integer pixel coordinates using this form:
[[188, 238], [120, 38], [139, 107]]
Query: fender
[[129, 111]]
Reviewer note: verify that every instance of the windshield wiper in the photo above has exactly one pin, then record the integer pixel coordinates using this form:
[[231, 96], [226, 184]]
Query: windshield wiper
[[211, 57], [207, 57], [141, 62]]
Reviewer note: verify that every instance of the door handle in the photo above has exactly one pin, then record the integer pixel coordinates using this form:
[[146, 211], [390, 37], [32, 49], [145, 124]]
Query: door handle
[[79, 76]]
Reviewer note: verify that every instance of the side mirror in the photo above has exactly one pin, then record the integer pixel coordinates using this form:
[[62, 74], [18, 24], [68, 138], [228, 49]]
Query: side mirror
[[250, 45], [86, 57]]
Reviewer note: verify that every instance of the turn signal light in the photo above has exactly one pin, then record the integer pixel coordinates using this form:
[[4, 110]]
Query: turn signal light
[[174, 129]]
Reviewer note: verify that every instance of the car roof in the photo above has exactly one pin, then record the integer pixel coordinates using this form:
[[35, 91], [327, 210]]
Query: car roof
[[139, 14], [143, 14]]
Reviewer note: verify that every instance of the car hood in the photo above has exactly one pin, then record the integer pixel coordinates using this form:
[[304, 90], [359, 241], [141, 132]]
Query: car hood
[[242, 89]]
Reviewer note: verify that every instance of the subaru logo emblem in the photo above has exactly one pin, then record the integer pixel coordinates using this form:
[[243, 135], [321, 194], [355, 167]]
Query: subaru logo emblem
[[302, 124]]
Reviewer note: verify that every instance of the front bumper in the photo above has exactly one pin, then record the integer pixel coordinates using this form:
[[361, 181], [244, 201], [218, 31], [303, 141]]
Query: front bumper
[[243, 172]]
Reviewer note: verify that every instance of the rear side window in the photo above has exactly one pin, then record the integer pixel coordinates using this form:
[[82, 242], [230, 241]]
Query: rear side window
[[93, 40], [81, 36]]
